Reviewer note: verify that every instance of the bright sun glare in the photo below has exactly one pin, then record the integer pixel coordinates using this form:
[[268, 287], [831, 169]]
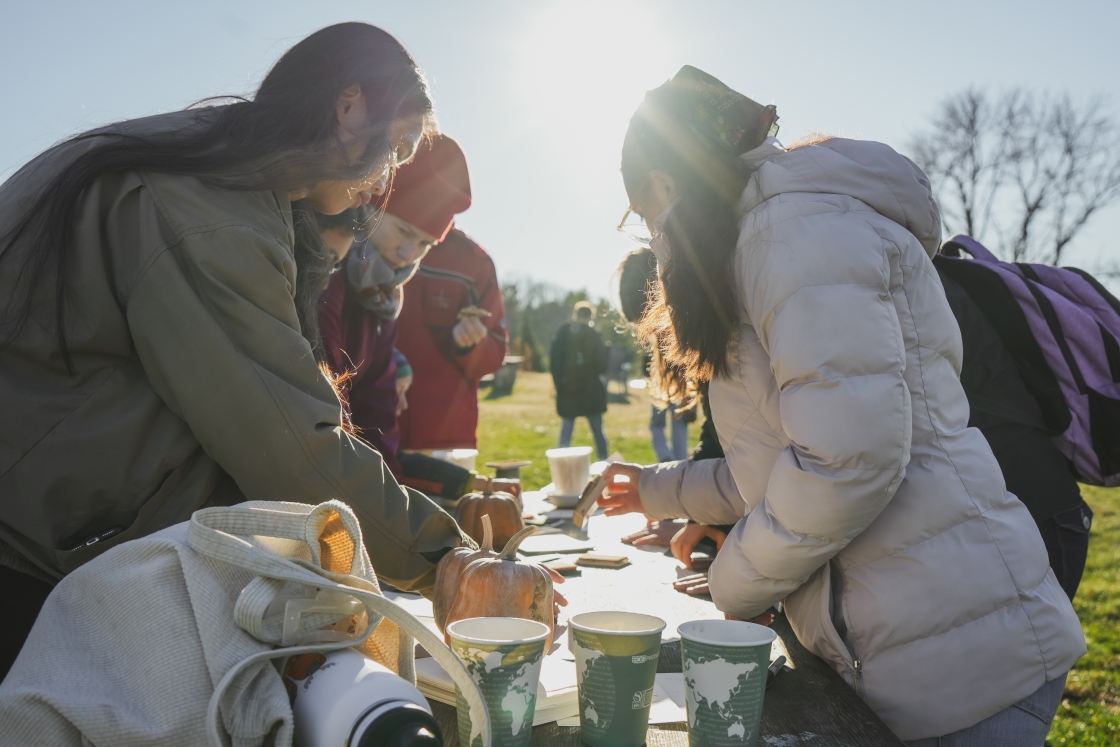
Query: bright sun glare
[[583, 69]]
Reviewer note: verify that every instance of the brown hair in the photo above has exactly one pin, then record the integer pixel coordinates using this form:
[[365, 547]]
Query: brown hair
[[693, 307]]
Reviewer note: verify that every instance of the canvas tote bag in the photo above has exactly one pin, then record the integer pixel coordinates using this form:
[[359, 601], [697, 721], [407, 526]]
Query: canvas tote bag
[[169, 639]]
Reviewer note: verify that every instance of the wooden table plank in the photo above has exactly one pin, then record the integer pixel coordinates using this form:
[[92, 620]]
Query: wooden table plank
[[807, 706]]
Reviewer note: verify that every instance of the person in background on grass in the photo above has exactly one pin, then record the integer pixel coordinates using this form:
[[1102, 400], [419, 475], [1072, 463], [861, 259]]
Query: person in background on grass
[[678, 422], [578, 361], [636, 272], [453, 330], [152, 347], [358, 312], [799, 283]]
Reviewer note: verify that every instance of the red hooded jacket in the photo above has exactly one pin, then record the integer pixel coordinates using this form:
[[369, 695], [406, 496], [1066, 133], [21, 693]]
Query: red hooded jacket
[[443, 400]]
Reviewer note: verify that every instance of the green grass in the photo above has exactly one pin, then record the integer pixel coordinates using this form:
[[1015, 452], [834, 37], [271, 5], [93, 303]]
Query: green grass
[[1090, 711], [524, 424]]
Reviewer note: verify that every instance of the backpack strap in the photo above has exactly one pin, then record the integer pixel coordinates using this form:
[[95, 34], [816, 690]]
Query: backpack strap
[[955, 243]]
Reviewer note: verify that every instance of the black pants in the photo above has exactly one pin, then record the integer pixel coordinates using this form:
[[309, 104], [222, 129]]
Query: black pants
[[1039, 475], [1067, 542], [23, 597]]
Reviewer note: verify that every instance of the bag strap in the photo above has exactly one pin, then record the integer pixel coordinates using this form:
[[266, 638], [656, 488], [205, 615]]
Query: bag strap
[[955, 243], [214, 533]]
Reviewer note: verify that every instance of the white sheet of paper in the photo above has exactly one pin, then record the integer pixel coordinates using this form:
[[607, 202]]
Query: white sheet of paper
[[413, 603], [668, 702], [553, 543], [668, 699]]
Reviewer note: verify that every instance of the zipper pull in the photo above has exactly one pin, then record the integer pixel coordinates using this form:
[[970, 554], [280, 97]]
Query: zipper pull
[[857, 666]]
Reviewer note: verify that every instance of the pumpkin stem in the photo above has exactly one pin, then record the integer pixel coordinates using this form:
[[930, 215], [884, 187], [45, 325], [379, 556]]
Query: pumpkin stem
[[509, 552], [487, 534], [489, 486]]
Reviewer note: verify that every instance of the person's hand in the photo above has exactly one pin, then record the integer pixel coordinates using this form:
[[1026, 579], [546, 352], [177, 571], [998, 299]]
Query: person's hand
[[621, 497], [403, 383], [468, 332], [687, 538], [695, 584], [558, 599], [656, 534], [764, 619]]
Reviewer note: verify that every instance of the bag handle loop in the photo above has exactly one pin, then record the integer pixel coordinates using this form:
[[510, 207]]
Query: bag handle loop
[[213, 532]]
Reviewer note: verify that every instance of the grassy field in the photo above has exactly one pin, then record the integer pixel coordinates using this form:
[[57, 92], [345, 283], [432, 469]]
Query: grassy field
[[1090, 712], [524, 424]]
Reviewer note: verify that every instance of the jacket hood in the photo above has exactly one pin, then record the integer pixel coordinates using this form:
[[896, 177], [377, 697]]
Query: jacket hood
[[873, 173]]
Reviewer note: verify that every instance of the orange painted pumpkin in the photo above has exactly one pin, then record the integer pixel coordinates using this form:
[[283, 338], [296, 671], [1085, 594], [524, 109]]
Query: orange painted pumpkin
[[451, 567], [504, 511], [503, 587]]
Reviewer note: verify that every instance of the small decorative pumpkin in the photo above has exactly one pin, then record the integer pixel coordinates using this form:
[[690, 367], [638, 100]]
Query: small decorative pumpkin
[[504, 511], [503, 587], [450, 569]]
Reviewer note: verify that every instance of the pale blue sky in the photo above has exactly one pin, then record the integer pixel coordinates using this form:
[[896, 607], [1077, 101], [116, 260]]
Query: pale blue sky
[[539, 92]]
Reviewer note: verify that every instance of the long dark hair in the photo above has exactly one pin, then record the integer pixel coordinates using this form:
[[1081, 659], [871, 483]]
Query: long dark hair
[[636, 284], [285, 138], [693, 307]]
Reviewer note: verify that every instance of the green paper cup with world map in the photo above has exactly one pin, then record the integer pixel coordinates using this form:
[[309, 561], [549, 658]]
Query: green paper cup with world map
[[503, 655], [724, 664], [616, 665]]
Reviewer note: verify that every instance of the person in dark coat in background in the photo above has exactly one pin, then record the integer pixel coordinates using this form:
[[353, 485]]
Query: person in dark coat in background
[[578, 361], [1003, 410]]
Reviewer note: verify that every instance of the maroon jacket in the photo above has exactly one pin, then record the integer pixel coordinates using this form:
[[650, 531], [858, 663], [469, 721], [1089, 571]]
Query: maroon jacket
[[357, 340], [443, 401]]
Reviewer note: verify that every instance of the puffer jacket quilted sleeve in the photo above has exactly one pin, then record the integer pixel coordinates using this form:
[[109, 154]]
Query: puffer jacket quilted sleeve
[[837, 355], [876, 516]]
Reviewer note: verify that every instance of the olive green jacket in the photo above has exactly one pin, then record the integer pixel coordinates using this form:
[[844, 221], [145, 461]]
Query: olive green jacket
[[193, 385]]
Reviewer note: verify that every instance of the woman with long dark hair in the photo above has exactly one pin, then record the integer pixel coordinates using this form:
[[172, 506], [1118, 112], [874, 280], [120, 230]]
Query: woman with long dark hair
[[799, 283], [152, 356]]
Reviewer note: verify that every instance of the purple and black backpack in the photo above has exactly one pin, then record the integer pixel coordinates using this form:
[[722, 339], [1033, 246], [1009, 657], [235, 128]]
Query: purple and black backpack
[[1062, 328]]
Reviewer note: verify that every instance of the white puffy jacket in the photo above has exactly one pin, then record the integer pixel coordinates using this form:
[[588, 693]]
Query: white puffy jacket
[[872, 510]]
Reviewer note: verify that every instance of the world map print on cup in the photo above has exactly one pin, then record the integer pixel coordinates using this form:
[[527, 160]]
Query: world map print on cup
[[724, 665], [616, 664], [503, 655]]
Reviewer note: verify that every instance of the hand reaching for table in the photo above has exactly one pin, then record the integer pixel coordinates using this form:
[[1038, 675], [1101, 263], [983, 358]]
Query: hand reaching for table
[[688, 537], [656, 534], [695, 584], [622, 497], [557, 598]]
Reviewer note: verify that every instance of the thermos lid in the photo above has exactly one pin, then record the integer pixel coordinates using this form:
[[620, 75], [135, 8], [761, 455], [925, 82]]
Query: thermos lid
[[406, 725]]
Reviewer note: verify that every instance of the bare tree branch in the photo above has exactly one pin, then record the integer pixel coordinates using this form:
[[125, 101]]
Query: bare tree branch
[[1023, 173]]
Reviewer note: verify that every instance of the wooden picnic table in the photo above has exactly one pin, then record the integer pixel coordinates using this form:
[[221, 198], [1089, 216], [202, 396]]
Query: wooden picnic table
[[808, 705]]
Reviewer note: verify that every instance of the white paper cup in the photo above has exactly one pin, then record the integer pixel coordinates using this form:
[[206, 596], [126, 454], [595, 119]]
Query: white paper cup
[[724, 663], [570, 468], [503, 655]]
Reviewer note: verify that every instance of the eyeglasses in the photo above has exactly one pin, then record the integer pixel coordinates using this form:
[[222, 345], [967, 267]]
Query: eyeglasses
[[637, 231]]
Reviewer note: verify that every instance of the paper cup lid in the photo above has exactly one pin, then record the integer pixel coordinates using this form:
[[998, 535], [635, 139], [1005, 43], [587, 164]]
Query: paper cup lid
[[727, 633], [497, 630], [617, 623]]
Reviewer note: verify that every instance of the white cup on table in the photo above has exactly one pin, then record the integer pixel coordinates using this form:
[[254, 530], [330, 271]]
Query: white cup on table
[[570, 468]]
